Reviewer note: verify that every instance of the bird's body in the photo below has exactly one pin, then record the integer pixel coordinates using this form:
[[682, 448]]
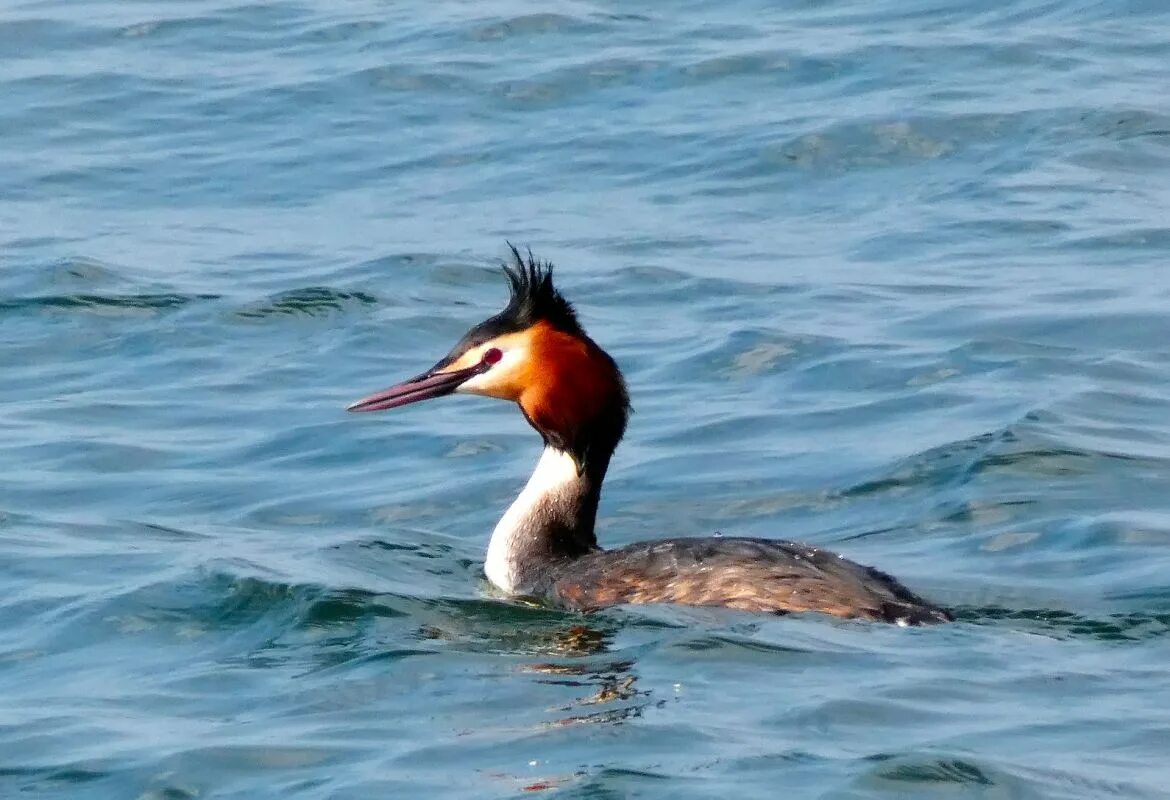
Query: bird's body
[[761, 575], [536, 354]]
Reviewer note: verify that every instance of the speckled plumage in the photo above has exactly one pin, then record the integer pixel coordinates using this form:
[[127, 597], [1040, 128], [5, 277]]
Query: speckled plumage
[[761, 575]]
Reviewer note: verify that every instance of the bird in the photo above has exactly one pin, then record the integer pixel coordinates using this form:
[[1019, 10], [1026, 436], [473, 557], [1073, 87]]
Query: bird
[[536, 354]]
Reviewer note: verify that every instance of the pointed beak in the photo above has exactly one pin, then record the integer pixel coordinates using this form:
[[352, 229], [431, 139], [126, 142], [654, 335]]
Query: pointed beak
[[432, 383]]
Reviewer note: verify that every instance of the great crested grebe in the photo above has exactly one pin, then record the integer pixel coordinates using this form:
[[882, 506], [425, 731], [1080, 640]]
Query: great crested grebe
[[535, 353]]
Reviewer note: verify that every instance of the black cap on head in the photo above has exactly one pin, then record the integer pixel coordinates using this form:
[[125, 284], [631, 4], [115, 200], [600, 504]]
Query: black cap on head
[[533, 299]]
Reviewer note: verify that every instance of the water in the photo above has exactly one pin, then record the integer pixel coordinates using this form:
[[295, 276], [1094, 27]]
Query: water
[[884, 276]]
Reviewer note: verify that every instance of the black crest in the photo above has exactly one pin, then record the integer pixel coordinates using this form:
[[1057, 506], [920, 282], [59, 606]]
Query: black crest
[[534, 298]]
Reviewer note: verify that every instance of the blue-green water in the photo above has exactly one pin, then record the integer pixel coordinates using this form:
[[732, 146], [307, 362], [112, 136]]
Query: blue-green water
[[886, 276]]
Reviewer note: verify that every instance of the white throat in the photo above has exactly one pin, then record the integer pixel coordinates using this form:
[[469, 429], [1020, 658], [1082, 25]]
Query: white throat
[[555, 477]]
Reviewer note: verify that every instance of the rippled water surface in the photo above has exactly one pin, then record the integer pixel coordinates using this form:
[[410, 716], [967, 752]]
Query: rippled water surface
[[888, 276]]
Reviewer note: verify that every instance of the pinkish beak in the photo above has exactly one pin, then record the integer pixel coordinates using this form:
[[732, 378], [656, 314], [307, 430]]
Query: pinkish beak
[[423, 387]]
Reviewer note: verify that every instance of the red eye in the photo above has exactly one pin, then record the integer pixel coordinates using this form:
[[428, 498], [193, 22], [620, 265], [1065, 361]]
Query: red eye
[[492, 355]]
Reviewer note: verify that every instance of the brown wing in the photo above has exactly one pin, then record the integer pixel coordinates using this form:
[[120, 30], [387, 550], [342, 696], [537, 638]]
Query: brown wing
[[759, 575]]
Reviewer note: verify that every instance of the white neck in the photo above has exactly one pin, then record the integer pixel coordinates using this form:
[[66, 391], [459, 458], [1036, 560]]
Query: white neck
[[550, 501]]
